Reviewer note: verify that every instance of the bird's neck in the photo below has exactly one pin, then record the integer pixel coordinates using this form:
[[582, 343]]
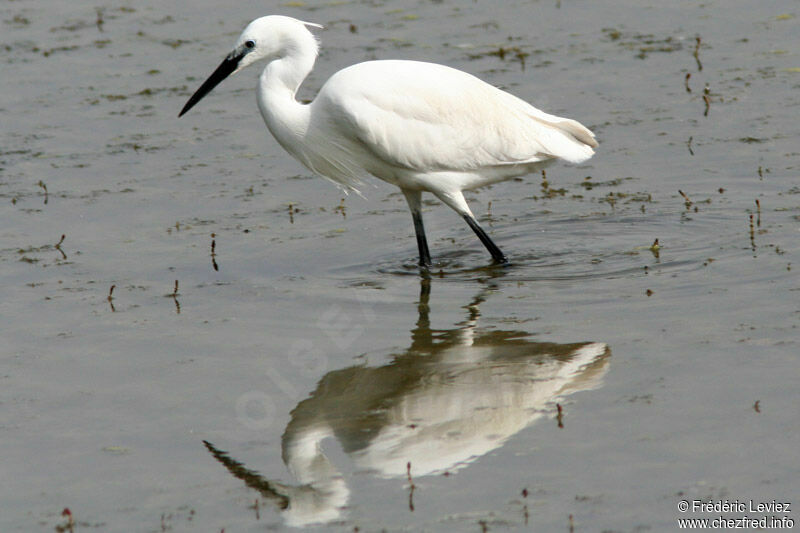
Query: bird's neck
[[285, 117]]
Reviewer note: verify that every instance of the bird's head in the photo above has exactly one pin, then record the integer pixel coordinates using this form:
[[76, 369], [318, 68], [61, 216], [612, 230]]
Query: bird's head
[[266, 38]]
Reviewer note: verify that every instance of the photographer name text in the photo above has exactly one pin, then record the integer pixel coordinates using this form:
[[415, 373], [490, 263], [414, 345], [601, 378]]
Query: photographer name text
[[735, 506]]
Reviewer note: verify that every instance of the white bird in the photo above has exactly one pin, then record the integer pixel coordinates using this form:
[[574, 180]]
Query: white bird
[[420, 126]]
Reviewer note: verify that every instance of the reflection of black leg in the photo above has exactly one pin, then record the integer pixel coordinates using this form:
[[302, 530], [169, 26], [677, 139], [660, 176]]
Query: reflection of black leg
[[422, 306], [422, 241], [422, 339], [497, 255]]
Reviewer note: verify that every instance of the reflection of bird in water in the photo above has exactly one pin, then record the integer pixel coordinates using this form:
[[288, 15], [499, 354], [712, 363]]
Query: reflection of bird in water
[[451, 397]]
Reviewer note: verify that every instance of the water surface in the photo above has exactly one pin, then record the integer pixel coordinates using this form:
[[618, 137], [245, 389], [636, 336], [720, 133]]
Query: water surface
[[310, 355]]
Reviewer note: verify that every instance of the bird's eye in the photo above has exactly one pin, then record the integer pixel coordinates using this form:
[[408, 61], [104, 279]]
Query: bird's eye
[[250, 44]]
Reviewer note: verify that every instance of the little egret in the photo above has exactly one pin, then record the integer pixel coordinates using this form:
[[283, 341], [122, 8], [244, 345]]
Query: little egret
[[420, 126]]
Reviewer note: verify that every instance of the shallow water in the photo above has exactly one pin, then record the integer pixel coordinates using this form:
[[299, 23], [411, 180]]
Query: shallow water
[[316, 328]]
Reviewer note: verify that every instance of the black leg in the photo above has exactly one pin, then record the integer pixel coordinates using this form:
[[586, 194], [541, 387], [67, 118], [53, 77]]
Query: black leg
[[497, 255], [422, 241], [414, 199]]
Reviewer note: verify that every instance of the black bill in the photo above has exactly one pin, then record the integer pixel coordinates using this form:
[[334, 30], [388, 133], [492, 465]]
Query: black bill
[[223, 71]]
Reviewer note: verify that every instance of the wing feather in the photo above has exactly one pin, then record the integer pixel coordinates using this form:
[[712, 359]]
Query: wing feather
[[429, 117]]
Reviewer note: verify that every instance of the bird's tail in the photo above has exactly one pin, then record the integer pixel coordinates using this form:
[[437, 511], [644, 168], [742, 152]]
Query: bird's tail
[[579, 131], [571, 141]]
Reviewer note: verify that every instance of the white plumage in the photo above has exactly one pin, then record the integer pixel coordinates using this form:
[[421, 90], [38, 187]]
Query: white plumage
[[420, 126]]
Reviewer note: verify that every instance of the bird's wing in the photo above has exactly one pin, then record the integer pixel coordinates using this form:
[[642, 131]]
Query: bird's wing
[[429, 117]]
